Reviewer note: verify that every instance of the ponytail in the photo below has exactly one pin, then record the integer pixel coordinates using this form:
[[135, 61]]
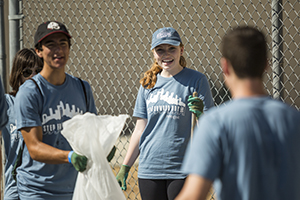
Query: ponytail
[[150, 76]]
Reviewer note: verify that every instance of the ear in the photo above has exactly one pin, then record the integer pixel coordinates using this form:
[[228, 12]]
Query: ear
[[181, 50], [39, 53], [267, 65], [225, 66]]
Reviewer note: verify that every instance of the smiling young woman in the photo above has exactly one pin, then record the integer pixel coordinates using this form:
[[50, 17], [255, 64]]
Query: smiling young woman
[[163, 125], [167, 57]]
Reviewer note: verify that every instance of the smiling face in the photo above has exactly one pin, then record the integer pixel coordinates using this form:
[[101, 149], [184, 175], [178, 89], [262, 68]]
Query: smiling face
[[55, 51], [168, 56]]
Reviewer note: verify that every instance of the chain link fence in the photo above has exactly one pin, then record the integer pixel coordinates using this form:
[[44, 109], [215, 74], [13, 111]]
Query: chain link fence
[[111, 47]]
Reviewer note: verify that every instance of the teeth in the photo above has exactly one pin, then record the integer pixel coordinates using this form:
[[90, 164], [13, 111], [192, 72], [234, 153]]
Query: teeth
[[167, 60]]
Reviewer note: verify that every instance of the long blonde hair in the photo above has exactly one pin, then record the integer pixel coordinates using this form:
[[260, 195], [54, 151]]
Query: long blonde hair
[[150, 76]]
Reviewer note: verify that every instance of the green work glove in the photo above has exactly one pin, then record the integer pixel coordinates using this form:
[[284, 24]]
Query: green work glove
[[111, 154], [78, 161], [195, 105], [122, 176]]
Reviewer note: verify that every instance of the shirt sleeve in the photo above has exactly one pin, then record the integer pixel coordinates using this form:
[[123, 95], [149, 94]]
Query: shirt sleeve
[[204, 154], [90, 99], [204, 93], [28, 106], [140, 108]]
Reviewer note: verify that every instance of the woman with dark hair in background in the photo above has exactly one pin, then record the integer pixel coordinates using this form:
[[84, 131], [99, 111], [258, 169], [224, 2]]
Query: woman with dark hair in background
[[26, 64]]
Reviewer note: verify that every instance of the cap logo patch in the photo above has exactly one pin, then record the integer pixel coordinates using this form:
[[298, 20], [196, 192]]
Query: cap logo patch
[[53, 25], [163, 34]]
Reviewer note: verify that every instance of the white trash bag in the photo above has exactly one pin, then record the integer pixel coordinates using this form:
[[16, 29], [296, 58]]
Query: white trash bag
[[94, 136]]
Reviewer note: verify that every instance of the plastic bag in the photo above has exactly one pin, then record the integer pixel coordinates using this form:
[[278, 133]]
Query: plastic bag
[[94, 137]]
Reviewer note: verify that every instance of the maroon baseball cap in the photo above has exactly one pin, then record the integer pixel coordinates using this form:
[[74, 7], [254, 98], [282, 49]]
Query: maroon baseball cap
[[48, 28]]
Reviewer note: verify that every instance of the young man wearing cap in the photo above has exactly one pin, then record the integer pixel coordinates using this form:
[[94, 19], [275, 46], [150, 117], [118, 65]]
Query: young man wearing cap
[[163, 115], [48, 169], [249, 147]]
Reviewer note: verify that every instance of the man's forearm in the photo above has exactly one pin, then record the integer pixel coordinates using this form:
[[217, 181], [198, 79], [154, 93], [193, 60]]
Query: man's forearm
[[40, 151]]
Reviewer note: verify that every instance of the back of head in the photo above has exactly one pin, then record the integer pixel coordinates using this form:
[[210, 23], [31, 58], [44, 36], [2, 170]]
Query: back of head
[[246, 49], [25, 58]]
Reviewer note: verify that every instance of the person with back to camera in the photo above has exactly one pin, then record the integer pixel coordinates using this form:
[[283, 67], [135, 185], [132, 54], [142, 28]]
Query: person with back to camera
[[163, 123], [26, 64], [249, 147], [49, 166]]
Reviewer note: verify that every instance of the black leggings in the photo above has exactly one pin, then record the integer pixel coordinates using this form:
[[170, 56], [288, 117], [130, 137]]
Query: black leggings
[[158, 189]]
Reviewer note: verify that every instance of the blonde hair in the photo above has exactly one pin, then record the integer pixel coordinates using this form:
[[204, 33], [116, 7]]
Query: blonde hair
[[150, 76]]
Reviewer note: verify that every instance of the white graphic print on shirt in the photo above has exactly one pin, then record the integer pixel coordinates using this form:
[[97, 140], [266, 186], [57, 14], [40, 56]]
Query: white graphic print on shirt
[[14, 135], [174, 105], [61, 111]]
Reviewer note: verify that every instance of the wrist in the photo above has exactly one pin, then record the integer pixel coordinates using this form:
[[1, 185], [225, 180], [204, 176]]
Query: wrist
[[126, 168], [70, 156]]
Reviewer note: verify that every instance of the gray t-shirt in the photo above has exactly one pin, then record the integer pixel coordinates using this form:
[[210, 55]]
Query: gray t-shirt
[[165, 138], [12, 142], [250, 148], [37, 180]]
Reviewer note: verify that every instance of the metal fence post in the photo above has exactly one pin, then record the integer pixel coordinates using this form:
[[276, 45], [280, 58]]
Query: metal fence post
[[14, 18], [2, 46], [277, 48]]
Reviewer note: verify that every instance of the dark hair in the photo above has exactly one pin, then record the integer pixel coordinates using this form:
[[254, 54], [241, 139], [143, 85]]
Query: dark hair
[[25, 58], [150, 76], [246, 49], [39, 45]]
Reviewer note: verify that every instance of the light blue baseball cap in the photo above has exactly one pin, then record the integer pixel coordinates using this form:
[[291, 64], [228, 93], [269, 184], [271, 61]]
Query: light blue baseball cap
[[166, 35]]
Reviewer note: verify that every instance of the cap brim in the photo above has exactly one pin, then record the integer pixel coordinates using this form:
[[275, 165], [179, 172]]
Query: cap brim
[[59, 31], [170, 42]]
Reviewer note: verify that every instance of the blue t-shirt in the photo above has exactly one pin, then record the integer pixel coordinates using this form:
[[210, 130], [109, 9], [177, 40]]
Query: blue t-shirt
[[3, 114], [250, 149], [37, 180], [166, 135], [12, 141]]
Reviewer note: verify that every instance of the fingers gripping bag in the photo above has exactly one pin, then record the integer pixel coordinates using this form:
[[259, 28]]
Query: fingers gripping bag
[[94, 136]]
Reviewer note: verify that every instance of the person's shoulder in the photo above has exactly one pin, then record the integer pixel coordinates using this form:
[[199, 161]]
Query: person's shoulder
[[9, 98], [193, 72], [28, 85], [31, 87], [78, 81], [220, 108], [274, 104], [75, 78], [71, 78], [223, 110], [193, 75]]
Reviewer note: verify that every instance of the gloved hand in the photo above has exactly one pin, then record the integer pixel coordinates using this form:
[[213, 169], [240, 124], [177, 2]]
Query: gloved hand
[[122, 176], [111, 154], [195, 105], [78, 161]]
